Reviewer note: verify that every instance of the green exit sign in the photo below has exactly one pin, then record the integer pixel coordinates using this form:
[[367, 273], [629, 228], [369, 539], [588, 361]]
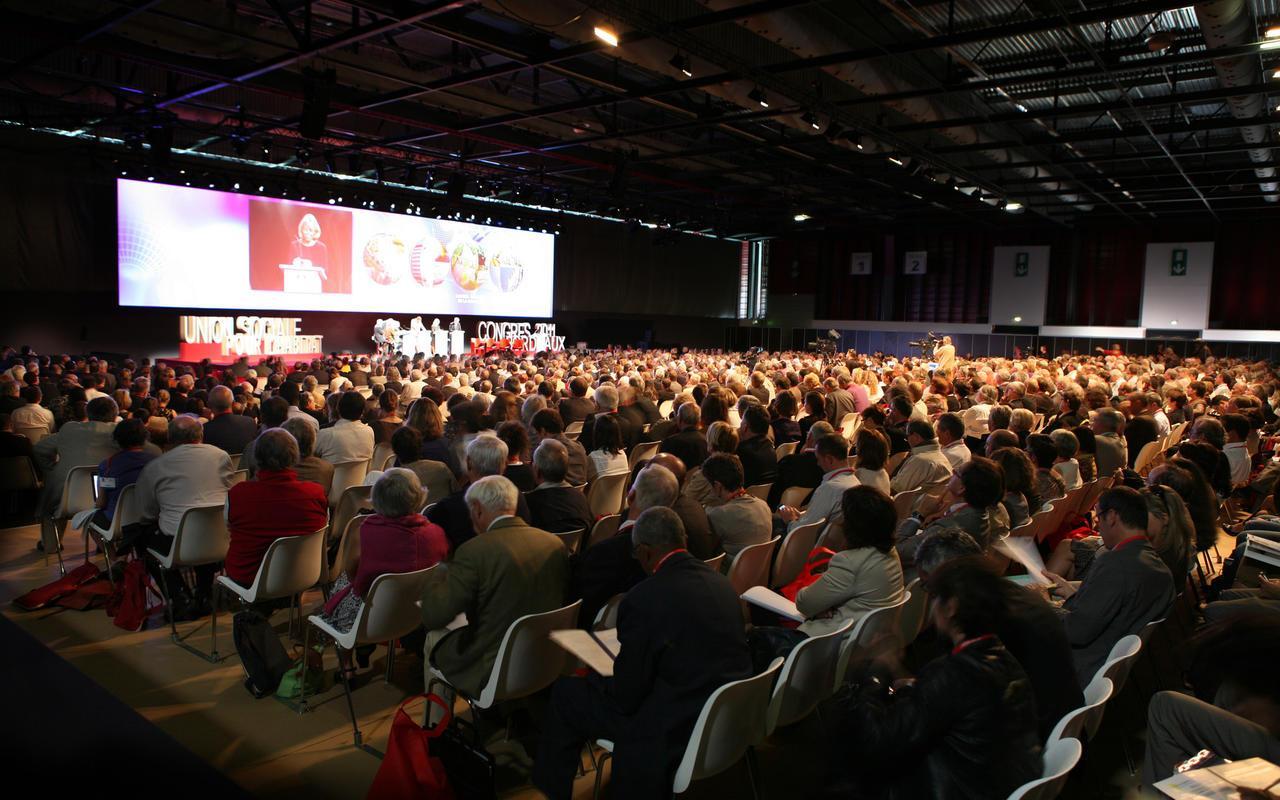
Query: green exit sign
[[1178, 263], [1021, 265]]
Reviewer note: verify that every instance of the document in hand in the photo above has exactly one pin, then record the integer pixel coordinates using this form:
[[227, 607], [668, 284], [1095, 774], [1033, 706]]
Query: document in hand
[[596, 649], [772, 601], [1023, 550], [1221, 781]]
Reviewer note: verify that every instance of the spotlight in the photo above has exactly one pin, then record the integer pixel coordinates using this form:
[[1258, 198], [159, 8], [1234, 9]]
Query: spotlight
[[1273, 32], [857, 141], [812, 121], [606, 35], [681, 62], [801, 217], [758, 96], [895, 161], [1012, 206]]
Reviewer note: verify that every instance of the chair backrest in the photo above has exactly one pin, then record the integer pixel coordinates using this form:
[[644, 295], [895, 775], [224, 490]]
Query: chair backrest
[[1146, 455], [911, 618], [795, 496], [607, 493], [570, 539], [239, 476], [715, 562], [734, 718], [528, 661], [664, 408], [783, 450], [202, 537], [866, 632], [604, 529], [903, 502], [347, 534], [437, 480], [18, 473], [291, 565], [345, 475], [348, 505], [77, 492], [1077, 721], [1060, 758], [1120, 660], [751, 566], [382, 453], [895, 461], [33, 433], [794, 551], [607, 616], [386, 463], [391, 607], [573, 430], [235, 460], [127, 512], [760, 490], [642, 452], [1100, 485], [807, 678]]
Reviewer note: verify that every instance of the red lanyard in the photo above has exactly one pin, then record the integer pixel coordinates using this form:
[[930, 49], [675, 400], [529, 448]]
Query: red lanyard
[[668, 555], [961, 647]]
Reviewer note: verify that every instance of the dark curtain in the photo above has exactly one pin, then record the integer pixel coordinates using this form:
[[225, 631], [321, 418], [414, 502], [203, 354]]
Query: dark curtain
[[1243, 255], [1099, 282]]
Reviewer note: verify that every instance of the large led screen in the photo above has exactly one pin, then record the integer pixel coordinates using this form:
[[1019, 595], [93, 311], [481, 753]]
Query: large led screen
[[194, 248]]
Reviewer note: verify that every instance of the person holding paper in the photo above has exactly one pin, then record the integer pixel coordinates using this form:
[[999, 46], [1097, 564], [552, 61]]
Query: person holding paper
[[681, 637], [832, 453]]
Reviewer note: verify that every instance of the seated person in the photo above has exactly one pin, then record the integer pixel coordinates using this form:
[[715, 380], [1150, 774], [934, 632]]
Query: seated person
[[739, 519], [970, 503], [688, 442], [396, 538], [1125, 588], [832, 453], [873, 454], [348, 439], [801, 467], [554, 505], [484, 456], [609, 456], [507, 570], [435, 477], [310, 467], [517, 439], [273, 505], [755, 451], [702, 541], [967, 719], [721, 438], [926, 465], [121, 469], [669, 665], [1065, 464], [272, 414]]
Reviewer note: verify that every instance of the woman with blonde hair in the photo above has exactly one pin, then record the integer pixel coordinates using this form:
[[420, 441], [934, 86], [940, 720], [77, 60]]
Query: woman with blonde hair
[[721, 438]]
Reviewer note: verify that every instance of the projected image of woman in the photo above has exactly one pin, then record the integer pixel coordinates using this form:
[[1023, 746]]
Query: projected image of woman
[[307, 250]]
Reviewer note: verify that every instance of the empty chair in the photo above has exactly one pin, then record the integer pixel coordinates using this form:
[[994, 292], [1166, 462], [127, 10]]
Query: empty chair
[[390, 610], [527, 661], [751, 566], [345, 475], [604, 529], [1085, 719], [77, 496], [291, 565], [794, 552], [570, 539], [642, 452], [865, 632], [202, 538], [807, 678], [760, 490], [1060, 757], [733, 720], [606, 494]]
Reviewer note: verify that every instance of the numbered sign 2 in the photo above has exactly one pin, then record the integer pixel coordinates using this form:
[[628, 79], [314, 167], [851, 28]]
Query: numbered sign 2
[[915, 262]]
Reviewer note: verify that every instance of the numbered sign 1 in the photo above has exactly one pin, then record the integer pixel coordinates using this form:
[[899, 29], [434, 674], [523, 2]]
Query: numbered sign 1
[[859, 263], [915, 262]]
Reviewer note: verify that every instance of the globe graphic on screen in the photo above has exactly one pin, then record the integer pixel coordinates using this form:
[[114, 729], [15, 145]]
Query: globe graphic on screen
[[469, 268], [506, 270], [429, 262], [140, 254], [386, 258]]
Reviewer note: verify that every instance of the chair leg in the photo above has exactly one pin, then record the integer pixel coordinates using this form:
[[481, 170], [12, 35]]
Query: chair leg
[[110, 560], [213, 621], [391, 660], [604, 759], [752, 769], [57, 536], [357, 737], [306, 651], [168, 606]]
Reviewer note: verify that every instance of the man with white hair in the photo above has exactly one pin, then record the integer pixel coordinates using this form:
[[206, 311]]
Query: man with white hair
[[227, 431], [607, 403], [554, 504], [485, 456], [508, 570], [608, 568]]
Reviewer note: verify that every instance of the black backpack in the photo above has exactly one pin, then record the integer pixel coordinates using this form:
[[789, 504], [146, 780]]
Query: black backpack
[[263, 657]]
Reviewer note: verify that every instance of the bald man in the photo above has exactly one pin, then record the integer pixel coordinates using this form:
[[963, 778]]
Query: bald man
[[703, 543]]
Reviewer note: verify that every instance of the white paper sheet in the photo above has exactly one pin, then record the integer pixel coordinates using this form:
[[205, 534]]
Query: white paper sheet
[[772, 601], [597, 650]]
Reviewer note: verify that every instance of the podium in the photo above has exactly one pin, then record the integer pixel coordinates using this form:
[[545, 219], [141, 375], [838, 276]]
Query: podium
[[440, 342], [303, 278], [456, 343]]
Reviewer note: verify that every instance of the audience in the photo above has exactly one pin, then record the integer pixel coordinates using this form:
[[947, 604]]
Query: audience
[[485, 456], [873, 454], [554, 505], [348, 439], [926, 466], [737, 519], [122, 468], [832, 454], [309, 467], [225, 430]]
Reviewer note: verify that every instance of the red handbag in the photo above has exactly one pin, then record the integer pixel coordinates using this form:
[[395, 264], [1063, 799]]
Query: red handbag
[[408, 769]]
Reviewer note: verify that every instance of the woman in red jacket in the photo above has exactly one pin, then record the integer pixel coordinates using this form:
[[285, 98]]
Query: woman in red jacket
[[273, 505]]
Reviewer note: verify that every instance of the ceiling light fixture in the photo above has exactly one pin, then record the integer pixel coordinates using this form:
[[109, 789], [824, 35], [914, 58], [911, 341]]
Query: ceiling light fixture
[[1013, 205], [758, 96], [1273, 32], [808, 117], [1270, 44], [681, 62], [801, 217], [606, 35], [895, 160], [1017, 319]]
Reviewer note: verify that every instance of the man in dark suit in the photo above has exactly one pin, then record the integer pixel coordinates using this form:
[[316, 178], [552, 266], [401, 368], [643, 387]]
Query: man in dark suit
[[607, 403], [1126, 587], [801, 467], [486, 455], [546, 424], [839, 402], [755, 451], [681, 638], [555, 505], [703, 542], [628, 409], [577, 406], [688, 444], [227, 431], [1140, 429]]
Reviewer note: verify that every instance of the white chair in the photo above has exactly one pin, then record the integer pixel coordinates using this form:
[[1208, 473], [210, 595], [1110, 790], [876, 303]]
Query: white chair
[[664, 409], [1085, 719], [527, 661], [795, 496], [604, 529], [202, 538], [866, 633], [382, 455], [235, 460], [1145, 456], [794, 552], [642, 452], [606, 494], [77, 496], [291, 565], [391, 609], [607, 616], [352, 501], [895, 461], [732, 722], [570, 539], [345, 475], [715, 562], [436, 477], [1120, 660], [348, 538], [126, 512], [751, 566], [387, 463], [783, 450], [760, 490], [807, 678], [238, 476], [903, 502], [35, 434], [573, 430], [914, 608], [1059, 759]]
